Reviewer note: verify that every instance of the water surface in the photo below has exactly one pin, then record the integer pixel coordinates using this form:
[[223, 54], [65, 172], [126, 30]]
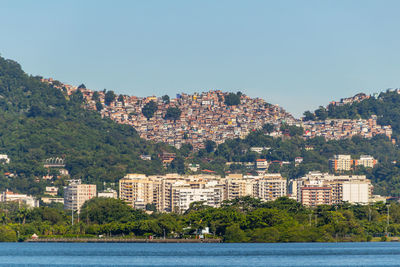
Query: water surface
[[125, 254]]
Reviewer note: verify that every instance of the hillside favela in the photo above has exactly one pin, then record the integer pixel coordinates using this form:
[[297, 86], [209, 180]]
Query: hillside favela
[[82, 165]]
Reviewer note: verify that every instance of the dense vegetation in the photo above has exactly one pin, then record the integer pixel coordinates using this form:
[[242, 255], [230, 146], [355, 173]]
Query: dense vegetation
[[240, 220], [386, 107], [149, 109], [232, 99], [38, 121], [315, 153], [173, 113]]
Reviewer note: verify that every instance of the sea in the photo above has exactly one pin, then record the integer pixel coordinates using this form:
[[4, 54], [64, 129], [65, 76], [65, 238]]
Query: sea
[[150, 254]]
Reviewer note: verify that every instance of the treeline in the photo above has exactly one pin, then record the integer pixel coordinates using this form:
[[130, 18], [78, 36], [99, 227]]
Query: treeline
[[240, 220]]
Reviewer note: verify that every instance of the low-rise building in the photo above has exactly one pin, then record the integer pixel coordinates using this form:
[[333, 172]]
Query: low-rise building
[[340, 163], [51, 190], [9, 196], [366, 160], [48, 200], [108, 193]]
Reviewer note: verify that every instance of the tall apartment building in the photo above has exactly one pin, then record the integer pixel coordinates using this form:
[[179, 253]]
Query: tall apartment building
[[137, 190], [331, 189], [183, 196], [235, 186], [340, 163], [76, 193], [313, 196], [173, 192], [270, 187]]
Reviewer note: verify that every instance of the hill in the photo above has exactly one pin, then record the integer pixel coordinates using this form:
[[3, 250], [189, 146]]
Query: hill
[[38, 121], [188, 118], [386, 106]]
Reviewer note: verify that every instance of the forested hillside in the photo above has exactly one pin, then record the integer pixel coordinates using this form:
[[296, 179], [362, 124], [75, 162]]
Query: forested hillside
[[38, 121], [315, 153], [386, 106]]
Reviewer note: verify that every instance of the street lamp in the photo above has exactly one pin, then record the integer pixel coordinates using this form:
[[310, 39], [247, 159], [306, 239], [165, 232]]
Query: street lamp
[[387, 220]]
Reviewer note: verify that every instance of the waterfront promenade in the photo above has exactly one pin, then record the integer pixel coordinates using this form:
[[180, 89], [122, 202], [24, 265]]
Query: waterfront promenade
[[120, 240]]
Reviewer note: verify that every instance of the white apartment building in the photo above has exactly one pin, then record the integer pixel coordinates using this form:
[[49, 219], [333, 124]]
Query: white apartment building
[[76, 193], [270, 187], [354, 189], [173, 192], [366, 160], [8, 196], [356, 192], [108, 193], [182, 197]]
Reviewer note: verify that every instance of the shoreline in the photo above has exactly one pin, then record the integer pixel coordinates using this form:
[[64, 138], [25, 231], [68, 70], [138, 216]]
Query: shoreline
[[119, 240]]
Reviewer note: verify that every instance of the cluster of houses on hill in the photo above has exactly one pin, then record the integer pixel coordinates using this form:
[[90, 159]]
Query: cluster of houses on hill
[[205, 116], [336, 129]]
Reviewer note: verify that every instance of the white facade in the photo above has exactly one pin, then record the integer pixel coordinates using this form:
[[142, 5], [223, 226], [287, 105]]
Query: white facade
[[356, 192], [183, 197], [109, 193], [270, 187], [75, 195], [30, 201], [4, 158]]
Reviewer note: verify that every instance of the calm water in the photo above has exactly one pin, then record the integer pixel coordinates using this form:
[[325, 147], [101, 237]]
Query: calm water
[[106, 254]]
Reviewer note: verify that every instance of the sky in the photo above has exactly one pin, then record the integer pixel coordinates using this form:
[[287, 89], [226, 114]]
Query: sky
[[297, 54]]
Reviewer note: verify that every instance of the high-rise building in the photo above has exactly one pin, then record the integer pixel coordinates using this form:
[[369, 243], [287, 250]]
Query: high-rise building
[[137, 190], [76, 193], [173, 192], [355, 189], [316, 195], [270, 187]]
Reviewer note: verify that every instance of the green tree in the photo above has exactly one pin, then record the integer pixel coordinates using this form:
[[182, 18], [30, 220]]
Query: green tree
[[165, 99], [99, 106], [232, 99], [96, 96], [210, 146], [308, 116], [7, 234], [173, 113], [233, 234], [107, 210], [149, 109], [109, 97]]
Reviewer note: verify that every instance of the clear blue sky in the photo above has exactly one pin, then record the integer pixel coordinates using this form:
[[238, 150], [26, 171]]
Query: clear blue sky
[[298, 54]]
